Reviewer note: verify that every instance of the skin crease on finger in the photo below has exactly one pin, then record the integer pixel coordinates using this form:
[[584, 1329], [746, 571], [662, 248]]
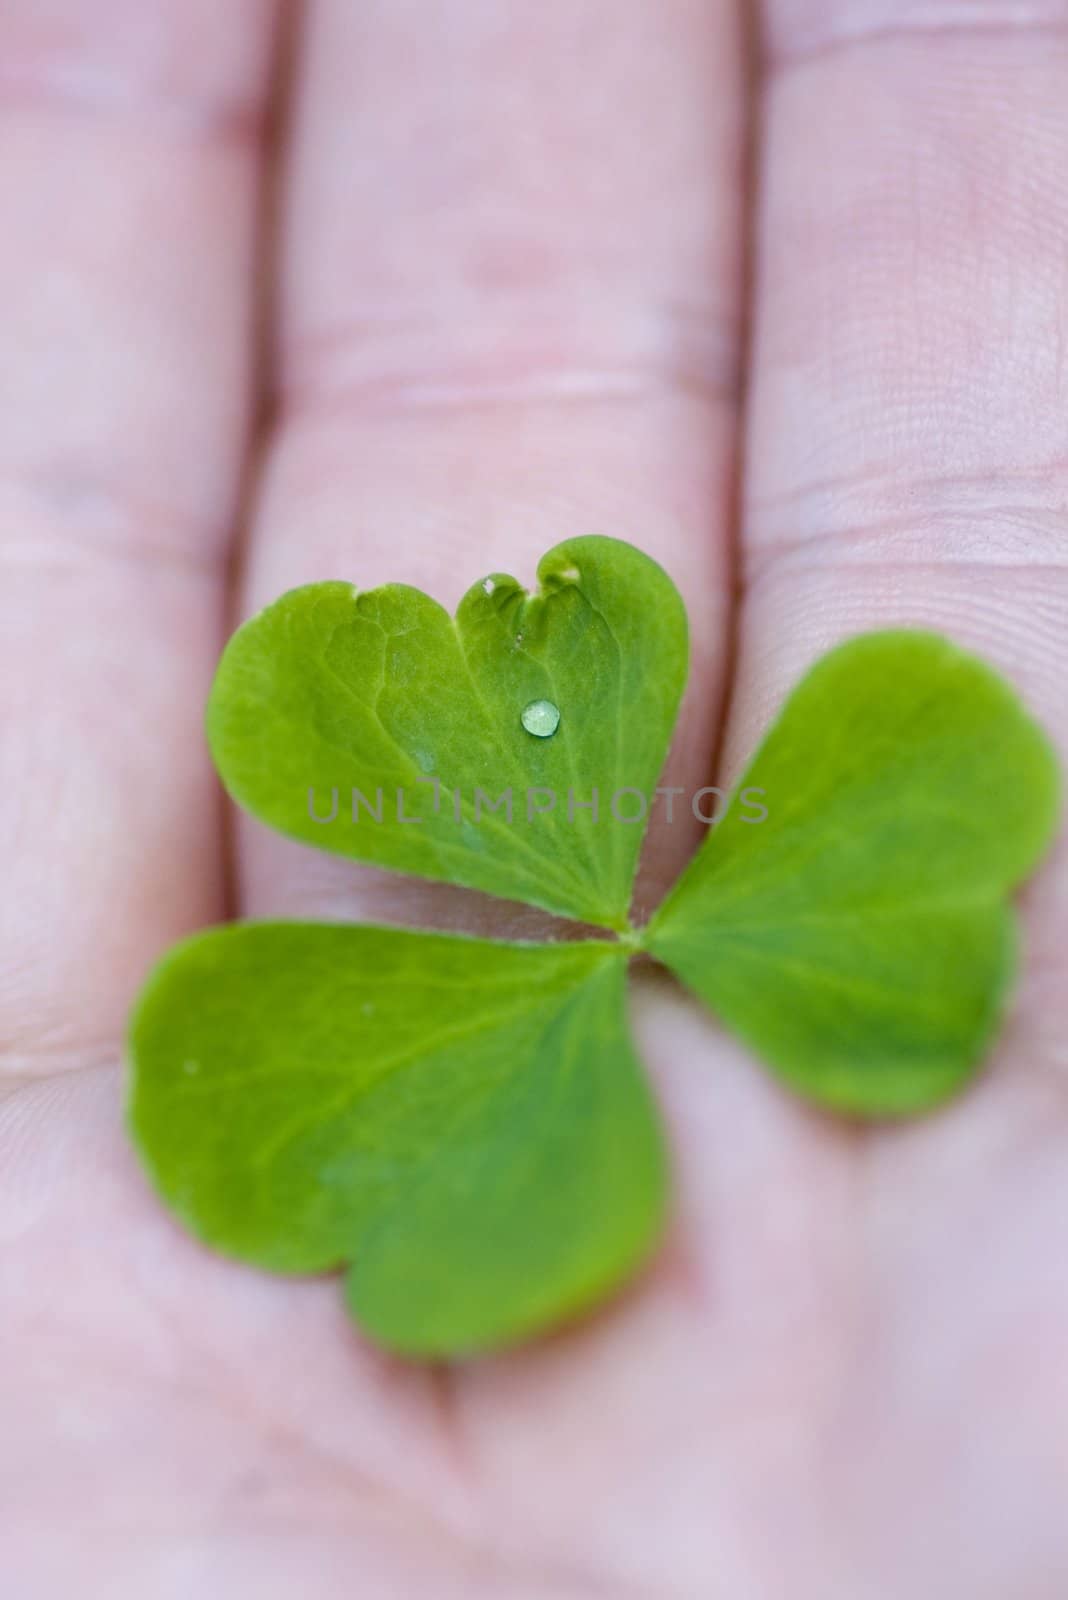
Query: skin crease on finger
[[504, 310]]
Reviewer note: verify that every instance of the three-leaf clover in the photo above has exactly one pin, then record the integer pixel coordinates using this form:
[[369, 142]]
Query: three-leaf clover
[[463, 1123]]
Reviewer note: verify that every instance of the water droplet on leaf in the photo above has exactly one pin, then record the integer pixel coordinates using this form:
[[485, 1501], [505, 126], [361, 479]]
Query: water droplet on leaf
[[541, 718]]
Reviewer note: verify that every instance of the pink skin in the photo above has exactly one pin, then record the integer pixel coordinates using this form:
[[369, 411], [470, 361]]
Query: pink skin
[[509, 306]]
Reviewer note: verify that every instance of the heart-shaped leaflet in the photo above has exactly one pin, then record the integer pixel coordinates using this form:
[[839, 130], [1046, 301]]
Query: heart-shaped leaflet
[[464, 1121], [485, 750], [860, 939]]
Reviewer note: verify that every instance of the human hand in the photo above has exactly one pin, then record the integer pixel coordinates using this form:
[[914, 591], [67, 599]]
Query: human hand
[[511, 299]]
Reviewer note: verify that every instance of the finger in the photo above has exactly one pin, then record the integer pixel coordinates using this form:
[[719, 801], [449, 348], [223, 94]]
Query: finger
[[907, 466], [129, 163], [510, 315], [909, 420]]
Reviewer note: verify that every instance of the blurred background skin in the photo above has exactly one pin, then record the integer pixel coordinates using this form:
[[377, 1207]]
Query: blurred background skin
[[413, 289]]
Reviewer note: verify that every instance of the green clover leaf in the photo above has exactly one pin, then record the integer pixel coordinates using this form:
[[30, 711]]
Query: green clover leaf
[[421, 716], [859, 939], [463, 1123]]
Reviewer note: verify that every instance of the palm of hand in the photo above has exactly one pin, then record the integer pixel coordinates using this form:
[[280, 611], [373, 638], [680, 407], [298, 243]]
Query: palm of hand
[[844, 1376]]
